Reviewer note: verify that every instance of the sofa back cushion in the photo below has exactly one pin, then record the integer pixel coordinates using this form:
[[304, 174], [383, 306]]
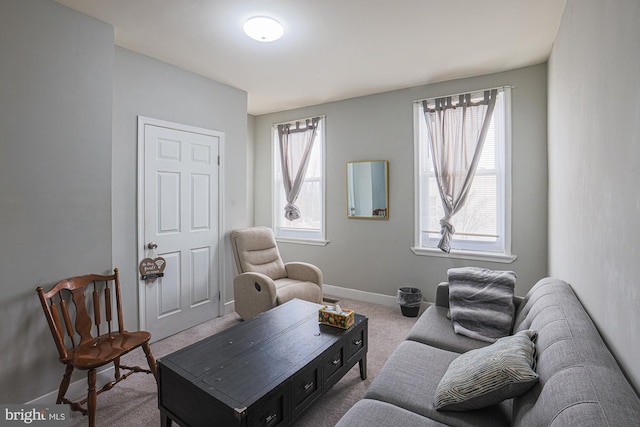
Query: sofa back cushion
[[580, 382]]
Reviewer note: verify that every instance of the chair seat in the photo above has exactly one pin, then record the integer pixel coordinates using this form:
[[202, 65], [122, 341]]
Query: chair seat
[[106, 348], [289, 289]]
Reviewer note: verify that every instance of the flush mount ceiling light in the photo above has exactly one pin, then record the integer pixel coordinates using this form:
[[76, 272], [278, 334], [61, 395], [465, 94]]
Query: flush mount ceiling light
[[263, 29]]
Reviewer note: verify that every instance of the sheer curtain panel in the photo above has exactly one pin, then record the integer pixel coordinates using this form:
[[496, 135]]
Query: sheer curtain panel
[[295, 142], [457, 126]]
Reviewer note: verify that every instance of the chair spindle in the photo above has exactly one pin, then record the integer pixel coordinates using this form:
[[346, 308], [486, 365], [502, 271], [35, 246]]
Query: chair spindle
[[56, 320], [96, 308], [67, 319], [107, 304]]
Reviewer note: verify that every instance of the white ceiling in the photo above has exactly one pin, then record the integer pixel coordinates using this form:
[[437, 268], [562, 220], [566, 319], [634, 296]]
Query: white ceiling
[[333, 49]]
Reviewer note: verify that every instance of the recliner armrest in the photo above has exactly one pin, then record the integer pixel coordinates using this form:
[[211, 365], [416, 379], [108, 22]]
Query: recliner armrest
[[253, 294], [304, 271]]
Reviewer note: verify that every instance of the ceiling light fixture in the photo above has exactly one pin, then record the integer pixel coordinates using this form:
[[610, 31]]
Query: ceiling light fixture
[[263, 29]]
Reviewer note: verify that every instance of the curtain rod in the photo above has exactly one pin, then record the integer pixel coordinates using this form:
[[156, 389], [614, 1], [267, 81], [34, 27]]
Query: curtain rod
[[464, 93], [322, 116]]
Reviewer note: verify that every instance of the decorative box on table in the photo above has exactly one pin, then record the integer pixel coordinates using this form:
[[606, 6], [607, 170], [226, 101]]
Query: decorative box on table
[[336, 316]]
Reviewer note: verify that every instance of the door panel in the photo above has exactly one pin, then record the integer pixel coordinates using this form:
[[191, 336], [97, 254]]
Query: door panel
[[168, 210], [200, 197], [181, 216], [168, 297], [200, 268]]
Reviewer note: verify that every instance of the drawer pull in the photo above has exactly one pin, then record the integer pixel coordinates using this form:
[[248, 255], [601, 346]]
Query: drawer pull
[[308, 386], [270, 418], [335, 362], [357, 342]]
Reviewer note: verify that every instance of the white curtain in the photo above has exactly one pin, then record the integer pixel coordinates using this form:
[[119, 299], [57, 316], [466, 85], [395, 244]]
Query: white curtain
[[457, 127], [295, 137]]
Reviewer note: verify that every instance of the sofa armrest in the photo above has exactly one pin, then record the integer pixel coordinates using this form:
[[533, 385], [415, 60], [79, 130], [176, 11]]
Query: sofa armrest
[[442, 295], [305, 272]]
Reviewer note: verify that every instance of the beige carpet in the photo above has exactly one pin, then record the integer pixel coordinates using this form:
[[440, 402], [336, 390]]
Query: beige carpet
[[133, 402]]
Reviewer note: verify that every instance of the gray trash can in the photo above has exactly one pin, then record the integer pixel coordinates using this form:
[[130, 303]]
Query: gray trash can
[[410, 300]]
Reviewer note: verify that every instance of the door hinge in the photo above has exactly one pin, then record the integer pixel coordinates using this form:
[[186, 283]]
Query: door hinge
[[218, 160]]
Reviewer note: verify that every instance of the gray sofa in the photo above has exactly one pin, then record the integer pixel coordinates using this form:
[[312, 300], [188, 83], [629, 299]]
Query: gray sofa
[[580, 383]]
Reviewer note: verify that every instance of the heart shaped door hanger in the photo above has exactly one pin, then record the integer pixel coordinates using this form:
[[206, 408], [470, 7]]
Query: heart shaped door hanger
[[151, 269]]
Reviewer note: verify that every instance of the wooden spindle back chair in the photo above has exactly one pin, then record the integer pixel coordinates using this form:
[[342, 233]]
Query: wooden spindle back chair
[[93, 338]]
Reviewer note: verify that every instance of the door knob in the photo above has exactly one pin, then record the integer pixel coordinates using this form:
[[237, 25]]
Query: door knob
[[152, 245]]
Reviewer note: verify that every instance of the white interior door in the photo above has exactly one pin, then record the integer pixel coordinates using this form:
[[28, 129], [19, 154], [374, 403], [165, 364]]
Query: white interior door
[[180, 216]]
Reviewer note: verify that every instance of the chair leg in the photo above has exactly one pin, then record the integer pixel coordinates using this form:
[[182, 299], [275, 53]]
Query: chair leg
[[64, 385], [150, 360], [116, 367], [92, 397]]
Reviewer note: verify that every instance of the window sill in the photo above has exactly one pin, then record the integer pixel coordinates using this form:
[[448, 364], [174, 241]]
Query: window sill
[[297, 241], [469, 255]]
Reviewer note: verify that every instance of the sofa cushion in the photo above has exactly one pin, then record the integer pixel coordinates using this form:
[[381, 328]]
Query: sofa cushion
[[481, 302], [368, 412], [547, 292], [433, 328], [410, 377], [489, 375]]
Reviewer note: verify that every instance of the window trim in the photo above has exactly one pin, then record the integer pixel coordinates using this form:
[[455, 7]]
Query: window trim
[[466, 254], [505, 256], [299, 236]]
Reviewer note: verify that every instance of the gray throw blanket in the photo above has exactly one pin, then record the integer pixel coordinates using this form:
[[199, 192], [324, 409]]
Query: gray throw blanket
[[481, 302]]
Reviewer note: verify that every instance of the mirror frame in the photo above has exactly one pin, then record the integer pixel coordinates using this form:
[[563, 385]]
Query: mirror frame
[[386, 190]]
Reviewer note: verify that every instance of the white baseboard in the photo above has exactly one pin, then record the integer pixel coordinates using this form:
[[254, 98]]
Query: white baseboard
[[229, 307], [371, 297], [337, 291]]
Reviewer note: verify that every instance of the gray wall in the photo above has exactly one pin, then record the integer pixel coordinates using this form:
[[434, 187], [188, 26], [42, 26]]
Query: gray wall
[[594, 164], [375, 256], [146, 87], [69, 104], [56, 82]]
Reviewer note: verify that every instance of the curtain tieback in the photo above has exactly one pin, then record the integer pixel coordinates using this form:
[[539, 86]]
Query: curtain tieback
[[447, 226], [291, 212], [446, 230]]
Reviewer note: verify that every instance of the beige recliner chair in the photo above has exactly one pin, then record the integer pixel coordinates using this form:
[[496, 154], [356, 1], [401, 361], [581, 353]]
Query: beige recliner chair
[[264, 280]]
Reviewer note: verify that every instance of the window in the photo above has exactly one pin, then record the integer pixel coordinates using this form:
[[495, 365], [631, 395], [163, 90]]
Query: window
[[482, 225], [311, 199]]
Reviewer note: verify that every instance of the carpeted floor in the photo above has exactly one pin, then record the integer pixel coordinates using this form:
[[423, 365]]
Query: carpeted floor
[[133, 402]]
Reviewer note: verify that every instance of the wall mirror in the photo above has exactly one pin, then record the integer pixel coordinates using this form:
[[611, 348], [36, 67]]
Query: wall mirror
[[368, 189]]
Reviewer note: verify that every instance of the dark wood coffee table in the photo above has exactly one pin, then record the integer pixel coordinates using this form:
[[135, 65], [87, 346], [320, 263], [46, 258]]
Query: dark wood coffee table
[[262, 372]]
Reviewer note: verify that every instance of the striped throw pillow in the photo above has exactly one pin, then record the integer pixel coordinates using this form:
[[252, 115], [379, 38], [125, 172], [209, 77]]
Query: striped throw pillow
[[489, 375]]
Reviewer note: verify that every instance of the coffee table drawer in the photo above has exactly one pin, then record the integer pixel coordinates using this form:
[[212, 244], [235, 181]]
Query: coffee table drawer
[[271, 411], [333, 360], [357, 341], [306, 386]]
